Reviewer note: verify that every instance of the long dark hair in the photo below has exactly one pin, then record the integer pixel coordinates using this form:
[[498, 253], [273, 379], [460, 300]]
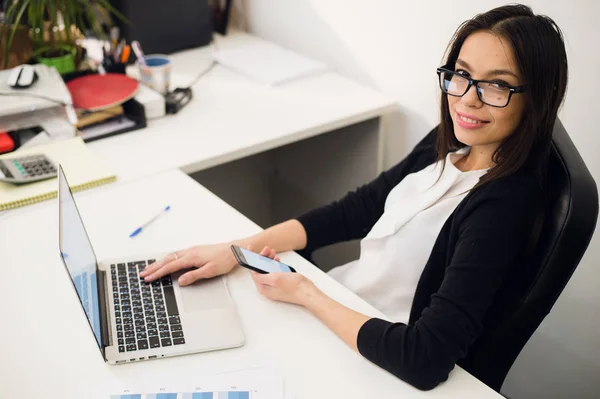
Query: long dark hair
[[540, 55]]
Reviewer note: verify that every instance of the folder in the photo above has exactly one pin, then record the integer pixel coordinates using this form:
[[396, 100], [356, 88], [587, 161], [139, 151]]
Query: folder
[[82, 167]]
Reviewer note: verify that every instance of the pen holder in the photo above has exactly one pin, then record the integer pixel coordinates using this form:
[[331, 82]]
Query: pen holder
[[157, 72], [115, 68]]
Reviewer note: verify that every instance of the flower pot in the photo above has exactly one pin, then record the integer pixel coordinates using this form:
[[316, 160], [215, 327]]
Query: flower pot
[[60, 56]]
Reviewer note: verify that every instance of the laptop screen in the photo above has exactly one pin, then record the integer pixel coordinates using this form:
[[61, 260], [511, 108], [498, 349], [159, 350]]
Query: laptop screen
[[78, 255]]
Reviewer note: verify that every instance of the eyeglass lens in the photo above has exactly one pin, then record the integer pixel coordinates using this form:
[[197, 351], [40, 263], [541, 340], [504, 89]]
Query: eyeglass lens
[[489, 93]]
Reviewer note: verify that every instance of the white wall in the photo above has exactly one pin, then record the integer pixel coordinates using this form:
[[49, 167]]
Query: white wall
[[395, 46]]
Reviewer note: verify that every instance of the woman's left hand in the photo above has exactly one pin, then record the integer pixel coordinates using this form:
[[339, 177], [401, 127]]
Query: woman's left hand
[[297, 289], [284, 287]]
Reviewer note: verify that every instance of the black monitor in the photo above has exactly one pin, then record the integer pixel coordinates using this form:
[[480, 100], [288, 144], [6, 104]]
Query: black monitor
[[165, 26]]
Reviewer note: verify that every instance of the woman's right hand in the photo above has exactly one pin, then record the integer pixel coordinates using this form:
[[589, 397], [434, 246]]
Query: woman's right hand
[[209, 261]]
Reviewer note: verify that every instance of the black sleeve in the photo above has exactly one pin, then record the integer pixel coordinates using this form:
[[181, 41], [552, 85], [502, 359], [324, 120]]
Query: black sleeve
[[354, 215], [491, 238]]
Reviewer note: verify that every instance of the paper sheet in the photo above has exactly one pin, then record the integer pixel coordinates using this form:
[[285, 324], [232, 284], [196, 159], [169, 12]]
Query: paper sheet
[[267, 63], [252, 383]]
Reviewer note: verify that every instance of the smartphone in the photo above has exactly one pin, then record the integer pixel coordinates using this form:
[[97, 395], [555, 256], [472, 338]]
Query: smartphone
[[258, 263]]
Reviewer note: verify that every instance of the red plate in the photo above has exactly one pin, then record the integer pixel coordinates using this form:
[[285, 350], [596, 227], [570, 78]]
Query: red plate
[[97, 92]]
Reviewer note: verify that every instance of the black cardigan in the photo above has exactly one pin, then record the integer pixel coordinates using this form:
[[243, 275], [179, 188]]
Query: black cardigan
[[481, 248]]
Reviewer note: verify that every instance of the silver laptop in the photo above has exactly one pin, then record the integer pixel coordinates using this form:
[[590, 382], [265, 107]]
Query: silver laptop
[[132, 320]]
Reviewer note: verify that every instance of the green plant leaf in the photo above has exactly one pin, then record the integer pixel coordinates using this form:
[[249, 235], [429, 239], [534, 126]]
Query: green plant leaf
[[53, 10], [106, 4], [90, 13], [11, 11], [35, 19], [69, 14], [74, 12], [80, 21]]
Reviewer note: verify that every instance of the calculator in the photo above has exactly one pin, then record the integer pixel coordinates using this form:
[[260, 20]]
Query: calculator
[[26, 169]]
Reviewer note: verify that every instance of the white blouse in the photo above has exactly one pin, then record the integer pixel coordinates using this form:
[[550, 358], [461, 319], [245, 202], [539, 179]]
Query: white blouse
[[394, 253]]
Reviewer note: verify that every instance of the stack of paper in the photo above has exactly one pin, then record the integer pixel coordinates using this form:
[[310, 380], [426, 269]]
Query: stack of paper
[[268, 63]]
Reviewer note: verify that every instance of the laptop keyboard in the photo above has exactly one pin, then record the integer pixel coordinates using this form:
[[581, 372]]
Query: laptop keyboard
[[146, 313]]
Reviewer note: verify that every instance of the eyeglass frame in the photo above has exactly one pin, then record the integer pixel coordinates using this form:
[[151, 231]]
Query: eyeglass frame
[[475, 82]]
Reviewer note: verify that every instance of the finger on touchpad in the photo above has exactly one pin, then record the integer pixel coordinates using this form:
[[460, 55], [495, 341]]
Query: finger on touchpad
[[204, 294]]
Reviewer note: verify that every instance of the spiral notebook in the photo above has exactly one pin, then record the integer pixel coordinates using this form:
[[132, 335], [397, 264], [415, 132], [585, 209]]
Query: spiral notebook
[[82, 166]]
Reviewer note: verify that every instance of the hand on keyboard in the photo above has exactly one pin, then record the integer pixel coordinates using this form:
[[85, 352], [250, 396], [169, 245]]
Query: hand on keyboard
[[209, 261]]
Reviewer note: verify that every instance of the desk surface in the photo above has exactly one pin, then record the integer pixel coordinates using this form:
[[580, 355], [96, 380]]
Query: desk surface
[[47, 347], [231, 117]]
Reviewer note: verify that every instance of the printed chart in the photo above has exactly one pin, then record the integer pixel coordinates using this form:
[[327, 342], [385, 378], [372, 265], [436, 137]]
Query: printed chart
[[248, 383], [187, 395]]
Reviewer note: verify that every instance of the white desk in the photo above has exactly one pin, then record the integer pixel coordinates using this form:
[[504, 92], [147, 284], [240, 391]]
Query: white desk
[[232, 117], [48, 350]]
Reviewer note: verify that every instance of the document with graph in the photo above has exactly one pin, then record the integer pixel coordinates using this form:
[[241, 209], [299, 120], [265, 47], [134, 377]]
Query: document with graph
[[252, 383]]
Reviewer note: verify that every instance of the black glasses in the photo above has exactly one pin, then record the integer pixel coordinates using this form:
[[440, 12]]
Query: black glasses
[[494, 94]]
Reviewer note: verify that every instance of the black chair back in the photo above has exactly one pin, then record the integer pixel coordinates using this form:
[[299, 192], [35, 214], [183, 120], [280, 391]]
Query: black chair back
[[566, 230]]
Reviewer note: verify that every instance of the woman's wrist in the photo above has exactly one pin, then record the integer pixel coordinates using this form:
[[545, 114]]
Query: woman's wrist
[[311, 297], [345, 322]]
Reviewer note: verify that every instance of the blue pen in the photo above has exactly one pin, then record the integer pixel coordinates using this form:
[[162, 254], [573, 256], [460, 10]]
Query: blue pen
[[139, 229]]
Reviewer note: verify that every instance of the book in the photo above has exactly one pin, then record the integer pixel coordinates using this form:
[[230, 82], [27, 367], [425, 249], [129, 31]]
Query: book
[[82, 167]]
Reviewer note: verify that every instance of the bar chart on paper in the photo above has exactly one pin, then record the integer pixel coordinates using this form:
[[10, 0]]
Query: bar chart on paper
[[258, 382], [217, 395], [188, 395]]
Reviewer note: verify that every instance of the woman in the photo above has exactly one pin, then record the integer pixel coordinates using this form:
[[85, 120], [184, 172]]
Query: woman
[[445, 233]]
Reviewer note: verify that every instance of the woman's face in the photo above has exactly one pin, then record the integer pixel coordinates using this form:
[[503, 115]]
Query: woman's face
[[488, 57]]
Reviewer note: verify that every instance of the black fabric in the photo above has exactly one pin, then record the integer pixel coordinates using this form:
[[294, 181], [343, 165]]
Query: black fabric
[[567, 227], [474, 285]]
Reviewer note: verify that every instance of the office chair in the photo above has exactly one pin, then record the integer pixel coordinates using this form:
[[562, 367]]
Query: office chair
[[566, 230]]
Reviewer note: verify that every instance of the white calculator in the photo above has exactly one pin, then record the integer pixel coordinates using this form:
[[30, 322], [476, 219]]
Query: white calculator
[[26, 169]]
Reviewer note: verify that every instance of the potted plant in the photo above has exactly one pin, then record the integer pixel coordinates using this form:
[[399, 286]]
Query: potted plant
[[54, 26]]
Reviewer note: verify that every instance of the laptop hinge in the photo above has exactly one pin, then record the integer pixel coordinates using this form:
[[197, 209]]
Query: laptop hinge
[[104, 316]]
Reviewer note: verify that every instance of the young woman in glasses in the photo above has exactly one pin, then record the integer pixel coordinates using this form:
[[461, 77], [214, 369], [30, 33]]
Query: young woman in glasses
[[445, 233]]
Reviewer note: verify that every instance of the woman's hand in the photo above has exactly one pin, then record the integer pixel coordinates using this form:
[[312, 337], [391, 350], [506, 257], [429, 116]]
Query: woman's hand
[[209, 261], [284, 287], [297, 289]]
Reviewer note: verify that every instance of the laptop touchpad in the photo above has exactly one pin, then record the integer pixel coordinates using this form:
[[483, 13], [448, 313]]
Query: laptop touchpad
[[204, 294]]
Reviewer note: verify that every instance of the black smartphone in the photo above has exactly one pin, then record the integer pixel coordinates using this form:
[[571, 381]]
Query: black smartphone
[[258, 263]]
